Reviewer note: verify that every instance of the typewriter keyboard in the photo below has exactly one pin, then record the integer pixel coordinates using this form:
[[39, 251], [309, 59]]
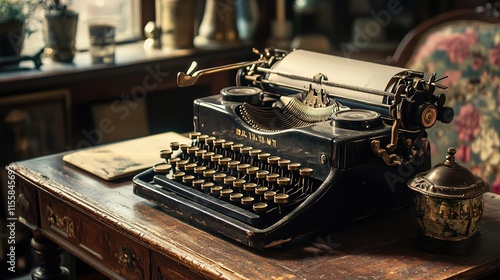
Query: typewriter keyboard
[[242, 182]]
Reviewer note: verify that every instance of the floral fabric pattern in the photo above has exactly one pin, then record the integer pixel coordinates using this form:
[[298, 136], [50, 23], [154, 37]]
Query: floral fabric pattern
[[468, 52]]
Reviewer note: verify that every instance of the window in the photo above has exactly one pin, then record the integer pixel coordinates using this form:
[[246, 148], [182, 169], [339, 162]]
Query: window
[[124, 14]]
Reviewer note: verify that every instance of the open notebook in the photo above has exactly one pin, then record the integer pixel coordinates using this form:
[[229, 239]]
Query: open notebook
[[116, 160]]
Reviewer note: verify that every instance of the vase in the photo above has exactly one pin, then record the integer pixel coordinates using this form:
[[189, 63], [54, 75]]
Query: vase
[[60, 35], [218, 27], [11, 37], [247, 18]]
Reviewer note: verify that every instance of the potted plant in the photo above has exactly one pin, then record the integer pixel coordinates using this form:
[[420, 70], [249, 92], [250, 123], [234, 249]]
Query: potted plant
[[13, 16], [60, 24]]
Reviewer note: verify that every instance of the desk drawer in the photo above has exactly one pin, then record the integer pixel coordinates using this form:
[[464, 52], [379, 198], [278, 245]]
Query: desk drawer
[[164, 268], [27, 202], [104, 247]]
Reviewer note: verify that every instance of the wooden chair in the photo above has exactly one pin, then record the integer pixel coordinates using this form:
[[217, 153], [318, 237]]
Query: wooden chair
[[465, 46]]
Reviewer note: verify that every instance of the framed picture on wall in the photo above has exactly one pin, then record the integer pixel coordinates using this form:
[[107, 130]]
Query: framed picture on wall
[[34, 124]]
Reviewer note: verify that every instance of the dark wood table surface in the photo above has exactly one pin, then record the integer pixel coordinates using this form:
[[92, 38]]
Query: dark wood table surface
[[123, 235]]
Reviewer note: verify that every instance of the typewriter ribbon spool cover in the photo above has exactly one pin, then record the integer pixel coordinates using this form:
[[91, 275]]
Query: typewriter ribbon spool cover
[[304, 142]]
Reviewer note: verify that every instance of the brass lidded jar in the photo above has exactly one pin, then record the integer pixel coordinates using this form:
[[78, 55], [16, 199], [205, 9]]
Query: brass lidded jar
[[448, 206]]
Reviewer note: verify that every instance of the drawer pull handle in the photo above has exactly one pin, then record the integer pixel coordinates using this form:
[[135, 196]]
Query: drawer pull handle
[[127, 258]]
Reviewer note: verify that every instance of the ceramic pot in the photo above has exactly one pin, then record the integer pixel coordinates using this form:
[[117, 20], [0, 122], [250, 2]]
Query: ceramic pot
[[11, 37]]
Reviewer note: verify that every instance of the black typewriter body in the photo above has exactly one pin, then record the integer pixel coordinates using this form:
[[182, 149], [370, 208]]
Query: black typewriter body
[[350, 177]]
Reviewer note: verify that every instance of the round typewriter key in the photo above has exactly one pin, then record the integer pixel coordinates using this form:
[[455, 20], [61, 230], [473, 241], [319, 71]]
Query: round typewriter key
[[235, 197], [218, 145], [165, 154], [184, 148], [261, 174], [259, 207], [249, 187], [223, 163], [247, 200], [199, 155], [281, 198], [219, 142], [198, 171], [216, 157], [283, 182], [261, 190], [162, 168], [189, 168], [173, 162], [219, 178], [215, 191], [188, 179], [197, 183], [207, 159], [174, 146], [283, 166], [272, 177], [194, 135], [252, 170], [269, 195], [242, 167], [206, 186], [271, 180], [210, 142], [228, 180], [178, 176], [306, 184], [192, 150], [236, 147], [263, 156], [227, 144], [181, 164], [294, 166], [202, 138], [306, 171], [208, 174], [283, 162], [210, 139], [232, 165], [215, 161], [293, 169], [245, 150], [225, 193], [238, 184], [254, 152], [207, 155], [273, 160]]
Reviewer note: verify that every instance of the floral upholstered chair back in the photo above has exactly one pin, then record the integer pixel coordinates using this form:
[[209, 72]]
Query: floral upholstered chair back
[[468, 52]]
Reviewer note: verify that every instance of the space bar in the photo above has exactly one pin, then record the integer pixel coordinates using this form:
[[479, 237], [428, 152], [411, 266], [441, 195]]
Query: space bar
[[216, 204]]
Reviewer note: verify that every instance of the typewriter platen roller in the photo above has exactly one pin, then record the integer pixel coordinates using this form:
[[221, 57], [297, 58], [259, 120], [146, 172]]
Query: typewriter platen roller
[[303, 142]]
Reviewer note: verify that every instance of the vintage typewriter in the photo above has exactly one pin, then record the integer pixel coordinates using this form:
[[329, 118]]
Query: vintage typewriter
[[302, 143]]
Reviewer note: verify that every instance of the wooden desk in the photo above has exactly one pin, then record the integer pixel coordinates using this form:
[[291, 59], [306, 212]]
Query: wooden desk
[[122, 235]]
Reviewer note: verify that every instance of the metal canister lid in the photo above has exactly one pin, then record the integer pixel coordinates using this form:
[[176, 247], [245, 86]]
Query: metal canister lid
[[449, 180]]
